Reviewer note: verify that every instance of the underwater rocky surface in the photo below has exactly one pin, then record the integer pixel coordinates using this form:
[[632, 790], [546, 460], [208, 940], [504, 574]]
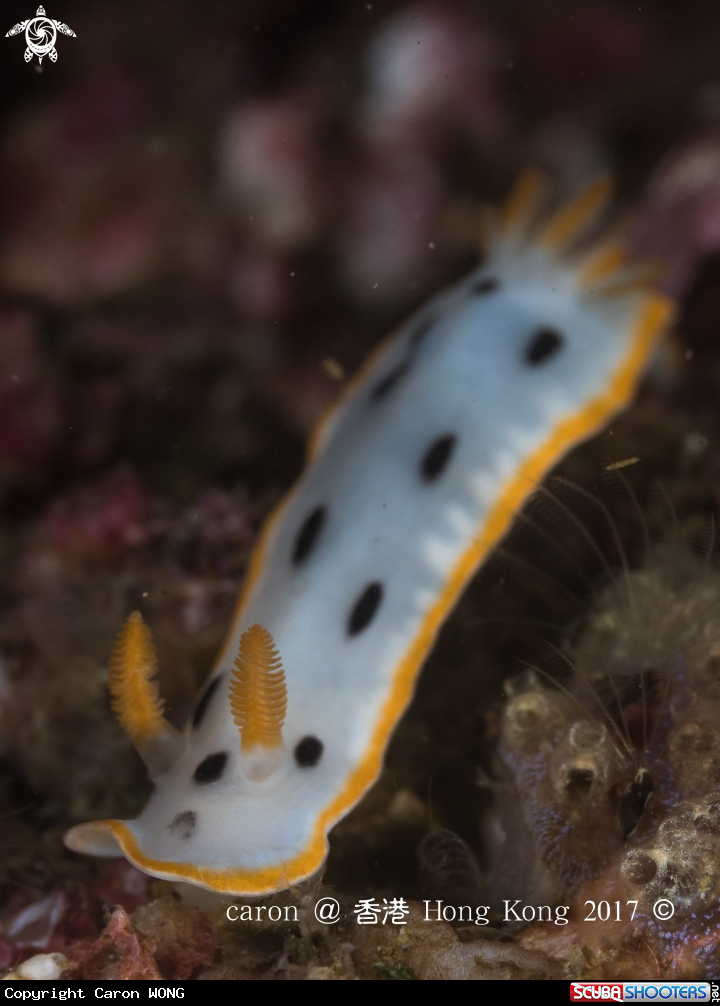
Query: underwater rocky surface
[[200, 241]]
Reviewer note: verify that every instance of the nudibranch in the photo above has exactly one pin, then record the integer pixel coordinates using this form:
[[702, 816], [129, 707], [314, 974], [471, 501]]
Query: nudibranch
[[412, 479]]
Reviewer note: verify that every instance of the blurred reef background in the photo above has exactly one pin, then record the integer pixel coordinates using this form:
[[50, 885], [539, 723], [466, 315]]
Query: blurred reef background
[[210, 215]]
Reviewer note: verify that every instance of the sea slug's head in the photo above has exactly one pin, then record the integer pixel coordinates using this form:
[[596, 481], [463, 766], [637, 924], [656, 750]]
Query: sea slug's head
[[210, 822]]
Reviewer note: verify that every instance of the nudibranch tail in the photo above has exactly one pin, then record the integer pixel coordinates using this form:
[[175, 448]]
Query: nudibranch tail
[[136, 700], [258, 696]]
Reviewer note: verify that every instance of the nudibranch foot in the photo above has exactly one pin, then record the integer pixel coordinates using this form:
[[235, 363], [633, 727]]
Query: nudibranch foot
[[93, 839]]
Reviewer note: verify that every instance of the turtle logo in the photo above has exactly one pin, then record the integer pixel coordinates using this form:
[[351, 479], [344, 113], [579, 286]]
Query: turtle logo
[[40, 34]]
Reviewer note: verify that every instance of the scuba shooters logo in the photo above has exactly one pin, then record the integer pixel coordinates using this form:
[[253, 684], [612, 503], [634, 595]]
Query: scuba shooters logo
[[40, 35], [592, 991], [640, 991]]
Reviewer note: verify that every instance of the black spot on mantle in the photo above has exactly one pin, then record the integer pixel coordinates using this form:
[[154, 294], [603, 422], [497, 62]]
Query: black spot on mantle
[[308, 751], [211, 768], [308, 534], [365, 608], [437, 457]]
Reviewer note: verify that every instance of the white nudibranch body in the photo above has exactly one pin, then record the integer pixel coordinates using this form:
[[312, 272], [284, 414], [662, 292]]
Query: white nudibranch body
[[411, 481]]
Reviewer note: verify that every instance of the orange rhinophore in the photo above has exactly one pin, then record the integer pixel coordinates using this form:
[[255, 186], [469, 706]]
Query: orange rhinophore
[[136, 700], [258, 696], [133, 665]]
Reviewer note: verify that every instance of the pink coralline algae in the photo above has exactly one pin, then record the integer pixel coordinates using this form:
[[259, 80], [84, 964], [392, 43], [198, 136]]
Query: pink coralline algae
[[678, 222], [120, 952], [429, 65], [97, 196], [212, 535], [69, 916], [163, 940], [392, 218], [269, 170], [101, 522]]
